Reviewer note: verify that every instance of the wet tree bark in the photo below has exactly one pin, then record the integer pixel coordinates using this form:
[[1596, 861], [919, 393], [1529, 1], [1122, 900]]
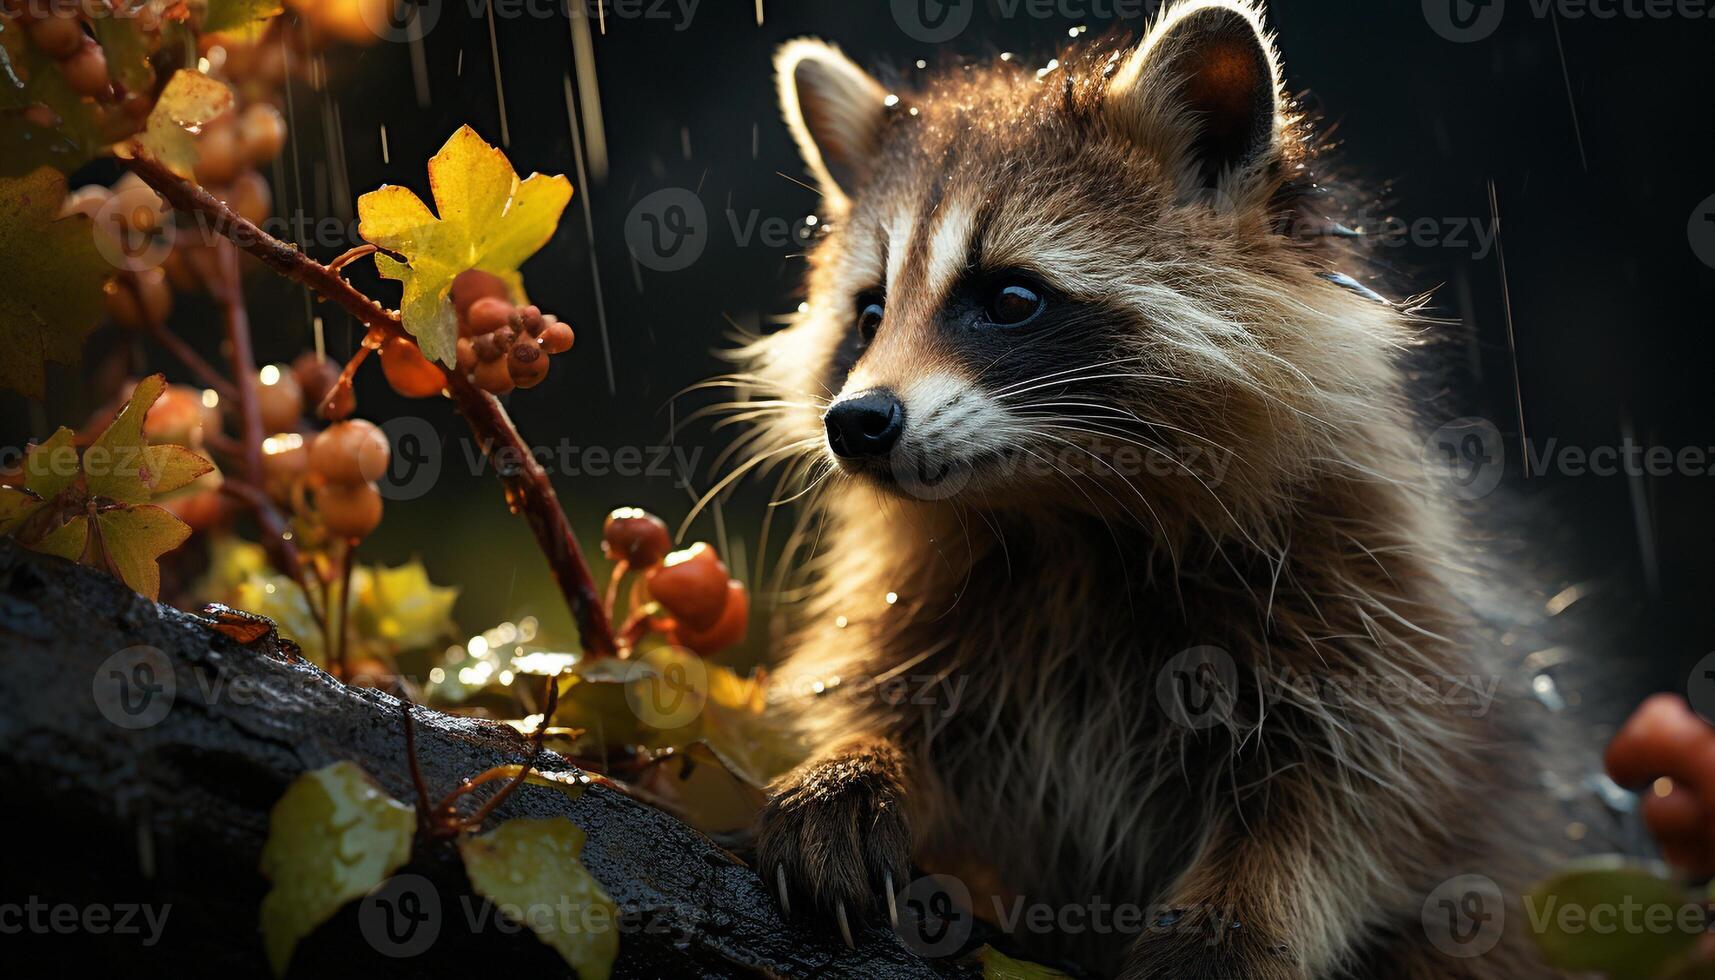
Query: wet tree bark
[[106, 826]]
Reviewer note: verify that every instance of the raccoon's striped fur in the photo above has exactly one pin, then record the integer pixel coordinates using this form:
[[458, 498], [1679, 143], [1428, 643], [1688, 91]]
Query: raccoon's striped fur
[[1207, 443]]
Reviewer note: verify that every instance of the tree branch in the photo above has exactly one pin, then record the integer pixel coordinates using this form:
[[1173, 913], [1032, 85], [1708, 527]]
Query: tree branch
[[528, 489], [168, 810]]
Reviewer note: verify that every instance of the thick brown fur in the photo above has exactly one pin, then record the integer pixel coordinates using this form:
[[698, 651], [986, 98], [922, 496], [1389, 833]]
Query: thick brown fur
[[1034, 608]]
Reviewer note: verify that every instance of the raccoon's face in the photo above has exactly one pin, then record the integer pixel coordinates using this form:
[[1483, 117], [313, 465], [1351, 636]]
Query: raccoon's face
[[1064, 285]]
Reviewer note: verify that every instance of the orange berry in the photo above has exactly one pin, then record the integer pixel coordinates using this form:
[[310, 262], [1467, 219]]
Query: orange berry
[[557, 337], [261, 133], [350, 452], [727, 630], [285, 459], [527, 364], [465, 359], [408, 371], [280, 399], [250, 197], [635, 536], [57, 35], [177, 416], [349, 510], [691, 584], [474, 284], [486, 315], [315, 375], [140, 299], [86, 71], [218, 156], [494, 376]]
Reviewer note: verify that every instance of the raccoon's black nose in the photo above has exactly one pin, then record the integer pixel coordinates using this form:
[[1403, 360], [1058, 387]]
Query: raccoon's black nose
[[865, 425]]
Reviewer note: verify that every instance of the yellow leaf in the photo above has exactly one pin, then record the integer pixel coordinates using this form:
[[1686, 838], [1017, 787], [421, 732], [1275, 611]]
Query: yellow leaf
[[134, 538], [16, 504], [998, 966], [488, 219], [403, 607], [332, 837], [54, 274], [173, 467], [52, 464], [530, 870], [114, 465], [189, 100], [69, 541]]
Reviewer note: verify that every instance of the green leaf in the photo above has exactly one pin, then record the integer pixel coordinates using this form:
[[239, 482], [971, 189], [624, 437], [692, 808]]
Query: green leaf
[[1623, 919], [127, 51], [29, 77], [489, 220], [238, 15], [175, 467], [530, 870], [332, 838], [54, 274], [190, 100], [998, 966], [50, 467]]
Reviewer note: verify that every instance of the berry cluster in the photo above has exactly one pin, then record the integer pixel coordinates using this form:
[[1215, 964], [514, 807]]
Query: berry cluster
[[345, 460], [705, 608], [59, 33], [503, 346]]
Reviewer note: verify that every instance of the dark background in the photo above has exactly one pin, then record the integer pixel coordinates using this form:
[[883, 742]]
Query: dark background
[[1594, 133]]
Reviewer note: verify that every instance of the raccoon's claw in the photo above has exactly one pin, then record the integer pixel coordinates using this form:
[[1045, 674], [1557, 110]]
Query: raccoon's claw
[[845, 927], [834, 837]]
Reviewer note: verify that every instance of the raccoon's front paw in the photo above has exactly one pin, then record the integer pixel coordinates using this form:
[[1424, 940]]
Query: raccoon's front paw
[[1207, 943], [834, 839]]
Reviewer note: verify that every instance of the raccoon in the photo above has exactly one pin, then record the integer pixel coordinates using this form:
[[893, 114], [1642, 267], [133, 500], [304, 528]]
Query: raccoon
[[1106, 451]]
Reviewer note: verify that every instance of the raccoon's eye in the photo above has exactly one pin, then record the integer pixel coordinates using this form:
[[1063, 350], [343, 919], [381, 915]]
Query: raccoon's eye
[[870, 312], [1014, 303]]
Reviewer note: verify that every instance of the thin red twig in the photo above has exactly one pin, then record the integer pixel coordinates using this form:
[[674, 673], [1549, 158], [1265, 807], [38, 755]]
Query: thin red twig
[[528, 490]]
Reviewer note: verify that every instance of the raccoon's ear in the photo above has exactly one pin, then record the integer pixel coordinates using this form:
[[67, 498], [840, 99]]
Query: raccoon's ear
[[1202, 92], [835, 111]]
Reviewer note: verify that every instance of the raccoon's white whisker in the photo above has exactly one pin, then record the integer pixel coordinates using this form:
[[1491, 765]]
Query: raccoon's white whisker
[[736, 474], [1165, 536], [1080, 379]]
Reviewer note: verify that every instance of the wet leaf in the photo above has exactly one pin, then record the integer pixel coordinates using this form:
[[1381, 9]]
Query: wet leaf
[[401, 606], [29, 77], [50, 466], [69, 541], [530, 870], [238, 16], [190, 100], [488, 219], [999, 966], [702, 789], [332, 837], [126, 49], [54, 275], [1612, 916]]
